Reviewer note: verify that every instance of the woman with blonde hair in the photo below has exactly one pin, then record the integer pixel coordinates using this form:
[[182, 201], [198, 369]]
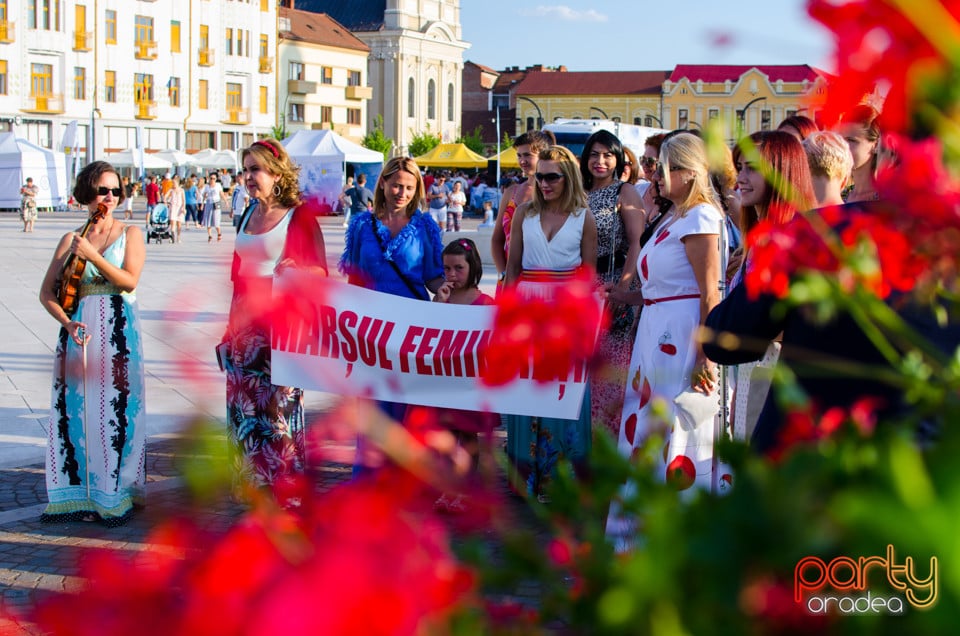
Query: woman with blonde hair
[[679, 272], [265, 421], [552, 236], [395, 248]]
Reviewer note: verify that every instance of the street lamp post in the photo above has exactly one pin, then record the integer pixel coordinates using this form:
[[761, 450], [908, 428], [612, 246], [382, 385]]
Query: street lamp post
[[535, 105], [605, 116], [92, 142], [743, 113]]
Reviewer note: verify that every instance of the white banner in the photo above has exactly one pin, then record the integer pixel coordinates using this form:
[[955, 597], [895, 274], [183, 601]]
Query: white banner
[[358, 342]]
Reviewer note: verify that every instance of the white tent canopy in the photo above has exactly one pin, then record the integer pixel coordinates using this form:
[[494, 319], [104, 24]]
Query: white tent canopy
[[210, 158], [176, 157], [20, 159], [326, 144], [130, 158], [322, 156]]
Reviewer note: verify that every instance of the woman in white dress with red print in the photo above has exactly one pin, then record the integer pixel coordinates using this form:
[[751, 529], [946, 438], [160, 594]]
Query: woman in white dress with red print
[[679, 271]]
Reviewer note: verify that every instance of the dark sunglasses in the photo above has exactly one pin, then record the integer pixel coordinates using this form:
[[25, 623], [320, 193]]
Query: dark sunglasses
[[102, 191], [550, 177], [648, 162]]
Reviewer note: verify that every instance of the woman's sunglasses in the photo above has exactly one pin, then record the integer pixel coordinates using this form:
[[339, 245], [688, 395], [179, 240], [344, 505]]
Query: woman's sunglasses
[[649, 162], [103, 190], [550, 177]]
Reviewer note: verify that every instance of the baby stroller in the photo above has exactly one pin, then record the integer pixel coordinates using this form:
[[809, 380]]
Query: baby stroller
[[158, 227]]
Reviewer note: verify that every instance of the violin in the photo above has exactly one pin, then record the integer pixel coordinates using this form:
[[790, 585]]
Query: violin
[[68, 283]]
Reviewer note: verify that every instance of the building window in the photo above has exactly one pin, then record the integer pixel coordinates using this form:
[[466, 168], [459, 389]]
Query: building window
[[41, 80], [683, 118], [234, 97], [143, 26], [264, 46], [79, 82], [296, 71], [110, 26], [411, 98], [296, 113], [765, 119], [243, 42], [713, 113], [80, 28], [264, 5], [326, 114], [228, 42], [203, 89], [637, 121], [110, 86], [648, 121], [450, 102], [789, 113], [3, 77], [142, 88], [174, 36], [353, 78], [174, 89], [44, 15], [264, 95], [531, 124], [353, 116], [326, 76], [431, 100]]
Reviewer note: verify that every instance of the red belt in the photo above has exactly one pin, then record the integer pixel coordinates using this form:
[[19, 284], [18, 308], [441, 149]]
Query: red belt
[[654, 301]]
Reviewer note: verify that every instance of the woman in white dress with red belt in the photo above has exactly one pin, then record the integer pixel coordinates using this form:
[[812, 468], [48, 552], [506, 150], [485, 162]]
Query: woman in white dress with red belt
[[679, 272]]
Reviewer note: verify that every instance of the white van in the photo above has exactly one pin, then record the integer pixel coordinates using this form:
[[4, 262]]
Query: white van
[[573, 133]]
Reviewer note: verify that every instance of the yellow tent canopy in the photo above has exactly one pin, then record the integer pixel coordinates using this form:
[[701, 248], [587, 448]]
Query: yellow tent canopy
[[508, 158], [451, 156]]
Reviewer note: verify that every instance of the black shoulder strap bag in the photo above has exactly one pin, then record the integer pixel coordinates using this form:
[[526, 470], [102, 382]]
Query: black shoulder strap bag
[[417, 290]]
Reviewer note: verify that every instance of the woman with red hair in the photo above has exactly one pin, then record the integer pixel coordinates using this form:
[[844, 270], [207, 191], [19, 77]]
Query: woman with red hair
[[775, 183]]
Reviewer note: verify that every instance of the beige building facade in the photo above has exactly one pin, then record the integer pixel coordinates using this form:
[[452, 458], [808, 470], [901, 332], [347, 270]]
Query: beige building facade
[[322, 75]]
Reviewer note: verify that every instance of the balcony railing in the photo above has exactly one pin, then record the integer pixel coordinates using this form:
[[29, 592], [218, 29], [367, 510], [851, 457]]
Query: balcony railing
[[145, 50], [266, 64], [146, 109], [82, 40], [7, 31], [359, 92], [301, 87], [45, 103], [205, 57], [236, 116]]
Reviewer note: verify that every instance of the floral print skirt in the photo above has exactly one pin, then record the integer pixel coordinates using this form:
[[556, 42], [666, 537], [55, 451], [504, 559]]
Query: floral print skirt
[[264, 421]]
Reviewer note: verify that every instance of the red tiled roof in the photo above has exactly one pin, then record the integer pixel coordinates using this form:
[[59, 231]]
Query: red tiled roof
[[485, 69], [319, 28], [732, 72], [589, 83]]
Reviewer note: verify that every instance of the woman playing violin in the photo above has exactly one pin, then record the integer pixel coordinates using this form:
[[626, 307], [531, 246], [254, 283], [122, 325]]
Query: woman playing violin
[[95, 460]]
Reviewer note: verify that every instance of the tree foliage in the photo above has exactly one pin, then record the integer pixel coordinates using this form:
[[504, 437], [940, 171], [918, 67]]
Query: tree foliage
[[376, 140], [423, 142]]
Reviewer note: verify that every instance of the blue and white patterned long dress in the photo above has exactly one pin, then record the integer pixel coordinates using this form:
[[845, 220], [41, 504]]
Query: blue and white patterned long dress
[[95, 452]]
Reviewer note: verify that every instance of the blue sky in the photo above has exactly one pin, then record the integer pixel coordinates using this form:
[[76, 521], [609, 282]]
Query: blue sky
[[641, 35]]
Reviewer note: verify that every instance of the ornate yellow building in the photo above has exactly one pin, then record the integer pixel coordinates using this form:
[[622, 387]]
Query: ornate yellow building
[[744, 98]]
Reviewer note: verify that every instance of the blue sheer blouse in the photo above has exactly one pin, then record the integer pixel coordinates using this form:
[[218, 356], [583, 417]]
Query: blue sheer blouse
[[416, 250]]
